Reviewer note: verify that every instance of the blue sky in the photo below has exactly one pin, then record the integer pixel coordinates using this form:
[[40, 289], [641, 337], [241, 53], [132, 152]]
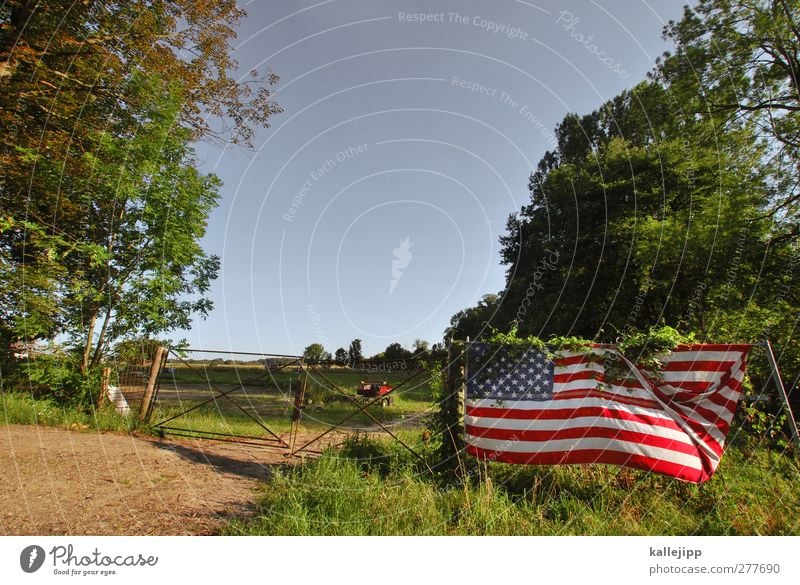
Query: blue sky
[[372, 206]]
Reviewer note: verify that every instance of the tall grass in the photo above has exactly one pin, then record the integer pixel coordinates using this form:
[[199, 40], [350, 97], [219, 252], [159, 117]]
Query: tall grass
[[373, 488], [20, 408]]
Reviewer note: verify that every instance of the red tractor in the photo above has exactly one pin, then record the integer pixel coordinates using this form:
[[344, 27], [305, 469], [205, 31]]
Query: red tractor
[[370, 390]]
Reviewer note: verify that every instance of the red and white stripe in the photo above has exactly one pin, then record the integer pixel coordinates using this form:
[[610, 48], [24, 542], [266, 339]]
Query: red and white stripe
[[674, 423]]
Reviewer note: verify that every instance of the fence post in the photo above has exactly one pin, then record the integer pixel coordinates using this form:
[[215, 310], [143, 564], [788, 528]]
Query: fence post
[[452, 412], [104, 386], [155, 369]]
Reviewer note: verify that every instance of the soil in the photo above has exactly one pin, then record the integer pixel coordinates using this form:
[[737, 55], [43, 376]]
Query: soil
[[57, 481]]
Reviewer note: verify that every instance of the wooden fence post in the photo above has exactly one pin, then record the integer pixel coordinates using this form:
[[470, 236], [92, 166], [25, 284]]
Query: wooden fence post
[[149, 391], [104, 386], [452, 413]]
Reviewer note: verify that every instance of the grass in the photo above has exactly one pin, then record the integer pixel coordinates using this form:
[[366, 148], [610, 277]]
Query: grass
[[257, 376], [374, 488], [226, 418], [19, 408]]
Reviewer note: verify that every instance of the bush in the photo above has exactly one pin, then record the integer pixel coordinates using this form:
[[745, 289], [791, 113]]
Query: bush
[[57, 377]]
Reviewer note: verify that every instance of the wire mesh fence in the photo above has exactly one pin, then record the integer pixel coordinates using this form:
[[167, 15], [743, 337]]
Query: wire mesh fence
[[126, 377]]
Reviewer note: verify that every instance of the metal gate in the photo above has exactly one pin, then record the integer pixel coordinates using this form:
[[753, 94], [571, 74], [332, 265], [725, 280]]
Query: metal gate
[[284, 402]]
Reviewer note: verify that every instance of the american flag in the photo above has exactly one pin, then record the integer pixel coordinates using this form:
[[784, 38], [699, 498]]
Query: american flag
[[531, 410]]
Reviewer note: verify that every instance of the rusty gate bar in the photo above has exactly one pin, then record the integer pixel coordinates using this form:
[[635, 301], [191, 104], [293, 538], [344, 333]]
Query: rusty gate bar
[[181, 432], [228, 352]]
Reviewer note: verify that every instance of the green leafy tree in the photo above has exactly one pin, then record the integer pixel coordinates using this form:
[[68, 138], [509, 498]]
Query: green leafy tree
[[395, 351], [138, 350], [421, 348], [473, 322], [340, 356], [101, 207], [633, 221], [152, 274], [736, 63], [315, 353], [354, 352]]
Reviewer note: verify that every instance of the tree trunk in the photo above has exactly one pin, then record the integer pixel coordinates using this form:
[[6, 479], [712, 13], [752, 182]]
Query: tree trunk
[[87, 349], [101, 339]]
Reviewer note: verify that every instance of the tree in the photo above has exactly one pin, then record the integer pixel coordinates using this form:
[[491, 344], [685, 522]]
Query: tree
[[340, 356], [152, 275], [474, 321], [101, 206], [354, 352], [132, 264], [632, 221], [315, 353], [72, 61], [395, 351], [421, 348], [636, 219], [738, 63]]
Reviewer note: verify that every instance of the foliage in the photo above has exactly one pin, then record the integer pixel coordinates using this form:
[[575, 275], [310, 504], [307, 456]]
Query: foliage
[[101, 206], [648, 348], [645, 349], [340, 356], [443, 425], [137, 350], [395, 351], [314, 353], [669, 207], [354, 352], [73, 61], [474, 322], [761, 427], [638, 219], [734, 64], [58, 377], [421, 348]]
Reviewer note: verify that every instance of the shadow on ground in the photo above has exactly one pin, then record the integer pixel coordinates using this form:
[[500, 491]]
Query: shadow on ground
[[242, 464]]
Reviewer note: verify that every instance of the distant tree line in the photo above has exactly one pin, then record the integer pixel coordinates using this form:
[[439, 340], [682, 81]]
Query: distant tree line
[[316, 352]]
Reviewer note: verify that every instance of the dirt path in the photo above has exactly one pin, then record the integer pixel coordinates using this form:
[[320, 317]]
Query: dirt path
[[62, 482]]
